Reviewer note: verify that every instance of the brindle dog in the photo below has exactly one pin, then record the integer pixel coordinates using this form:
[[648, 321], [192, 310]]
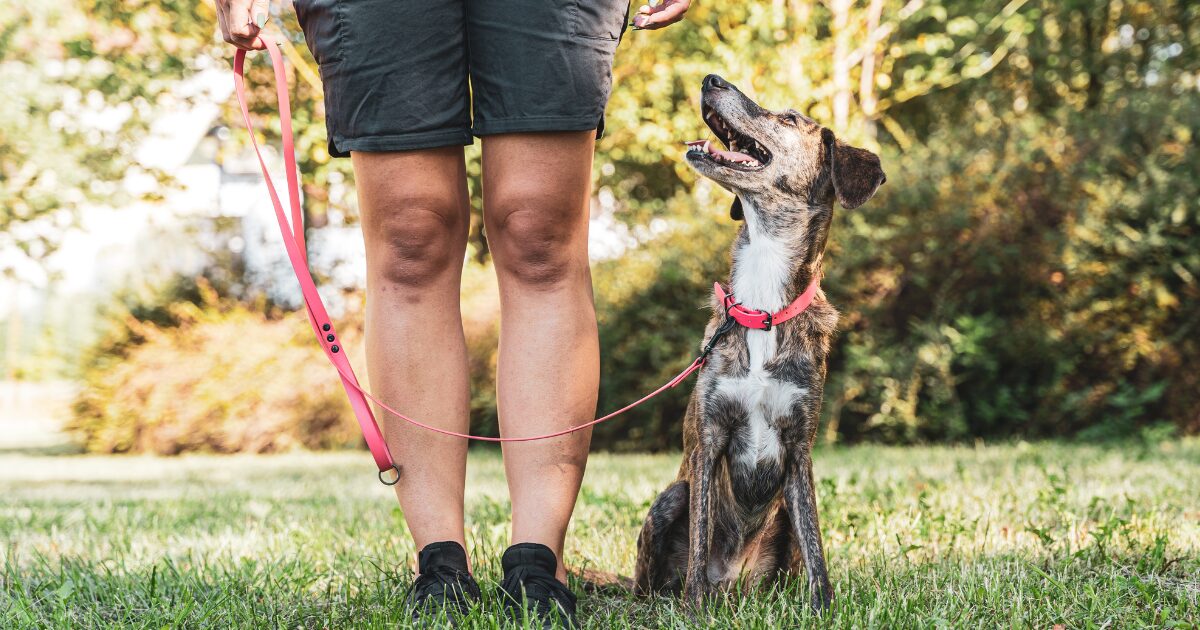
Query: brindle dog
[[743, 506]]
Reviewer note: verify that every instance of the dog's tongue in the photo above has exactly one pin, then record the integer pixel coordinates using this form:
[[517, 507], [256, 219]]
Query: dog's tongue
[[733, 156], [707, 147]]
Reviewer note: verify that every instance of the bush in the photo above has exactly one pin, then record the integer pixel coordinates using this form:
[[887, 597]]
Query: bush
[[1040, 284], [1019, 276], [212, 375]]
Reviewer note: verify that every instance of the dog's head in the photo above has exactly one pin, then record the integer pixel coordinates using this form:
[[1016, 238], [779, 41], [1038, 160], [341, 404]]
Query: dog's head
[[778, 161]]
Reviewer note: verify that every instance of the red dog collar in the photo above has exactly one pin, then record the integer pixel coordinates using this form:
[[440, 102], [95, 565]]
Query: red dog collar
[[762, 320]]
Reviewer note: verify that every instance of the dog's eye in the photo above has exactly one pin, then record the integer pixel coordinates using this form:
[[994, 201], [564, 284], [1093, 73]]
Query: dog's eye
[[792, 118]]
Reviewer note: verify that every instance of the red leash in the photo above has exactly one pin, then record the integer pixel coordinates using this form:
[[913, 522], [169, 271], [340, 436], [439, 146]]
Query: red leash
[[293, 241]]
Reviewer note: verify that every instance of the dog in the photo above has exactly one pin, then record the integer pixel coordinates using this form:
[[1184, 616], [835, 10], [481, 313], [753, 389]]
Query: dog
[[743, 507]]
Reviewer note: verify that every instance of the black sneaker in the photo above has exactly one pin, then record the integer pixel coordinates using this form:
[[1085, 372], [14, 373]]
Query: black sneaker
[[529, 584], [444, 588]]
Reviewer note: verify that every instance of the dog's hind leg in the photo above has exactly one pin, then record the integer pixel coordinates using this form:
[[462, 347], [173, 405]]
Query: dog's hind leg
[[662, 545], [801, 503]]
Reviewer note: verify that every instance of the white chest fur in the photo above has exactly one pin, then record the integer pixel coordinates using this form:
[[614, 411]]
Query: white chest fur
[[760, 279]]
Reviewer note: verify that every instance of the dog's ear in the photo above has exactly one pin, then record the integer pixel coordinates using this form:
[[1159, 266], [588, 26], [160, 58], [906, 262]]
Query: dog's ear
[[856, 173], [735, 211]]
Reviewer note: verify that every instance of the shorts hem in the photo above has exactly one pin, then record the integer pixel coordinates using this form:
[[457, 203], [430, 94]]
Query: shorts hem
[[341, 146], [539, 123]]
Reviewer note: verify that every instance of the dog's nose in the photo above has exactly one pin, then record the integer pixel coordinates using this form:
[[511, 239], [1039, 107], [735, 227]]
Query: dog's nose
[[715, 82]]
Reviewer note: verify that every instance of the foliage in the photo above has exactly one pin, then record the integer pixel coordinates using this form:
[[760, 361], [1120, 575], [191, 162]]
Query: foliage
[[1034, 272], [1036, 308], [1023, 535], [1029, 268], [190, 371], [81, 83]]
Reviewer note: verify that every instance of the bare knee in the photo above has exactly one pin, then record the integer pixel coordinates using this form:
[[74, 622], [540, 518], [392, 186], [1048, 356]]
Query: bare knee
[[416, 241], [537, 241]]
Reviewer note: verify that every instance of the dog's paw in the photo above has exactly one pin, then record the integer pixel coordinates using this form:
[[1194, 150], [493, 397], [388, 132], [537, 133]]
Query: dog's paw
[[696, 594], [822, 600]]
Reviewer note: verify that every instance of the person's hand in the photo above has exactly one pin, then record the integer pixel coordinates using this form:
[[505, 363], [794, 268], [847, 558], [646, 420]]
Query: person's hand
[[666, 13], [241, 20]]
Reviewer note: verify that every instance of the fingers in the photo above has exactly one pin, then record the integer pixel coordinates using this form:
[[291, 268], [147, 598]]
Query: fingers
[[260, 10], [239, 31], [666, 13], [241, 21]]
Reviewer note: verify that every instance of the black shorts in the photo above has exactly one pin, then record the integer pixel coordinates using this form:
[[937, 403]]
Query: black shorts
[[396, 71]]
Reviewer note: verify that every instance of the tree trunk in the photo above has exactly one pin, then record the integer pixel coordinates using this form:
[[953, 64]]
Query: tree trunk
[[866, 83], [840, 10]]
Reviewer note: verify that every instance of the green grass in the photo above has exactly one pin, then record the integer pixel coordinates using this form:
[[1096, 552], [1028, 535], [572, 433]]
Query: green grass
[[1017, 535]]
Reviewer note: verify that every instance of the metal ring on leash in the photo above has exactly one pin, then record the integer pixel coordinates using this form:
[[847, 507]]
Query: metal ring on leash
[[392, 482]]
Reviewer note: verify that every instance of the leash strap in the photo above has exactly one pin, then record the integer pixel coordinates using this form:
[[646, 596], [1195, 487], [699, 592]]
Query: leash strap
[[763, 320], [293, 241]]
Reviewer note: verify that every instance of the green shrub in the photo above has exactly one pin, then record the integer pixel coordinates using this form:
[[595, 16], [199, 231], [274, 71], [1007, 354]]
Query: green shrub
[[1029, 269], [212, 375], [1018, 277]]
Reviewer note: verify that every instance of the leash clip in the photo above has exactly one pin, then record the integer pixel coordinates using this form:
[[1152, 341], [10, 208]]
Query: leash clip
[[725, 327]]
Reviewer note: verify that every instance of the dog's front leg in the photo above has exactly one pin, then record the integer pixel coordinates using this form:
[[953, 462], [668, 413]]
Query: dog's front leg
[[696, 585], [802, 508]]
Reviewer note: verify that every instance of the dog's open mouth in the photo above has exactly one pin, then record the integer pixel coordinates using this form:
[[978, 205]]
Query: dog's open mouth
[[744, 152]]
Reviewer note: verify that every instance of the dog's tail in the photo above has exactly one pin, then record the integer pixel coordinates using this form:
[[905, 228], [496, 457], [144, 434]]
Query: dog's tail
[[596, 581]]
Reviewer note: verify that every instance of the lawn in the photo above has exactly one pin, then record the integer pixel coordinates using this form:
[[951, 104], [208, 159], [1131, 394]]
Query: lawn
[[1021, 535]]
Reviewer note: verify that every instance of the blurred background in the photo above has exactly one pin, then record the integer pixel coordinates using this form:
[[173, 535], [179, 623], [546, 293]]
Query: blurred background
[[1029, 270]]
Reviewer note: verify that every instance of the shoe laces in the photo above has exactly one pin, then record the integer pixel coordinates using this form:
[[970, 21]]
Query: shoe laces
[[447, 582], [540, 589]]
